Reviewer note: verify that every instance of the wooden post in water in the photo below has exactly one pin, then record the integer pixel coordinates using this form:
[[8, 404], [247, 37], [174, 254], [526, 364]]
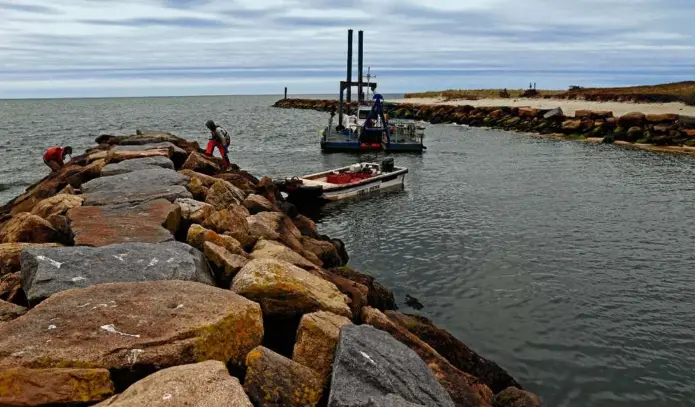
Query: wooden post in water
[[286, 93]]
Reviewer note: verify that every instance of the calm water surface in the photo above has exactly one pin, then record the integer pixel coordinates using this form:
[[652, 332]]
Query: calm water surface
[[569, 264]]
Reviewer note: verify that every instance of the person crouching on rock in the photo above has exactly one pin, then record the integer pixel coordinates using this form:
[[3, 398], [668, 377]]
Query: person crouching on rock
[[220, 138], [54, 156]]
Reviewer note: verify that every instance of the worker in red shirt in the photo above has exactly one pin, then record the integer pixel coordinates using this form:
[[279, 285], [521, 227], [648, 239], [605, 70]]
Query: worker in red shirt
[[54, 156], [220, 138]]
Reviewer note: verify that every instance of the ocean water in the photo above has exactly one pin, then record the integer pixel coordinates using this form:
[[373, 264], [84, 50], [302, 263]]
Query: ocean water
[[569, 264]]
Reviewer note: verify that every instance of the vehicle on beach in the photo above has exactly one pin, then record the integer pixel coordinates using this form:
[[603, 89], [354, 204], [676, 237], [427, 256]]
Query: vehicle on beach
[[355, 181]]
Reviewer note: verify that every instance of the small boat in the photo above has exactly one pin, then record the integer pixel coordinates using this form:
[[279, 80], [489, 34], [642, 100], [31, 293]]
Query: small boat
[[359, 180]]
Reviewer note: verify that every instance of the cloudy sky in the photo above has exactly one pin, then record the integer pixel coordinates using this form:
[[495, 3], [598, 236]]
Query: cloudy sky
[[192, 47]]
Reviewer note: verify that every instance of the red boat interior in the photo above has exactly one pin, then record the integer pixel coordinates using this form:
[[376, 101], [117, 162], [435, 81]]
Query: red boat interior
[[346, 177]]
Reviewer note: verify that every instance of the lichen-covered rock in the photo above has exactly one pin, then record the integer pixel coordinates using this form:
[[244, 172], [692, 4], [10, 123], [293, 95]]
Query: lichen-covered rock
[[325, 251], [456, 352], [11, 289], [514, 397], [57, 205], [197, 189], [194, 211], [137, 186], [21, 386], [634, 133], [463, 388], [257, 203], [137, 164], [378, 296], [29, 228], [274, 380], [140, 327], [9, 311], [48, 270], [226, 264], [275, 226], [206, 180], [232, 224], [222, 194], [9, 255], [316, 342], [371, 367], [570, 126], [269, 249], [149, 222], [286, 290], [204, 384], [201, 163], [198, 235], [240, 180]]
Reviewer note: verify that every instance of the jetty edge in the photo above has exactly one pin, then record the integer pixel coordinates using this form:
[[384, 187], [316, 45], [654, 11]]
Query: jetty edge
[[668, 132], [142, 274]]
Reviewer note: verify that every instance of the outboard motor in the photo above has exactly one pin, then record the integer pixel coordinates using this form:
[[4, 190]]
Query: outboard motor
[[387, 164]]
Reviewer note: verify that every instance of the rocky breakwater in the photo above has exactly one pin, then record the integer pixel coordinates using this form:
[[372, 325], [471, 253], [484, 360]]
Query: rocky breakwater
[[142, 274], [664, 131]]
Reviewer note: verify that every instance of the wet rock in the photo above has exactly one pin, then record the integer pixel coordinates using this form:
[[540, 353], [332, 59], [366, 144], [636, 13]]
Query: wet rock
[[200, 163], [38, 387], [286, 290], [456, 352], [369, 359], [194, 211], [137, 164], [198, 235], [11, 289], [136, 186], [269, 249], [133, 329], [149, 222], [257, 203], [226, 264], [463, 388], [554, 114], [232, 224], [325, 251], [275, 226], [306, 226], [9, 311], [240, 180], [268, 190], [49, 270], [9, 255], [316, 342], [29, 228], [514, 397], [631, 119], [378, 296], [274, 380], [634, 133], [204, 384], [222, 194], [56, 205], [356, 292]]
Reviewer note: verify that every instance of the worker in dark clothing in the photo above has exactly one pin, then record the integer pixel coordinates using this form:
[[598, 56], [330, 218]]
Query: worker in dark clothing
[[220, 138], [54, 156]]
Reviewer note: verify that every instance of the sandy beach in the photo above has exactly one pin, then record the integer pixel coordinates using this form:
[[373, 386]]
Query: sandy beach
[[569, 106]]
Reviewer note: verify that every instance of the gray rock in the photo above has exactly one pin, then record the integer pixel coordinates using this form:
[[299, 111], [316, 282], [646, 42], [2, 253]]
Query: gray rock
[[48, 270], [137, 164], [136, 186], [154, 146], [371, 368], [557, 112]]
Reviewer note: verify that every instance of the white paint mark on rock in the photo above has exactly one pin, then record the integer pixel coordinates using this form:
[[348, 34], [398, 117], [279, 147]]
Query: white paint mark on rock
[[120, 256], [111, 328], [179, 306], [83, 305], [153, 262], [171, 259], [52, 327], [366, 356], [167, 396], [78, 278], [133, 356], [50, 261], [99, 306]]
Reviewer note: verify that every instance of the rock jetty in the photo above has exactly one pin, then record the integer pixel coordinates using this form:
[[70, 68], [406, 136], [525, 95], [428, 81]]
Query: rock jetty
[[142, 274], [663, 130]]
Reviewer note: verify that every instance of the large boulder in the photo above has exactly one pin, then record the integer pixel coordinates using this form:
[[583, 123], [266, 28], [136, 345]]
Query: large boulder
[[20, 386], [275, 226], [226, 264], [10, 311], [316, 342], [257, 203], [197, 189], [306, 226], [133, 329], [194, 211], [230, 223], [456, 352], [46, 271], [148, 222], [378, 296], [240, 179], [206, 180], [371, 367], [514, 397], [198, 235], [463, 388], [632, 119], [553, 114], [270, 249], [204, 384], [57, 205], [286, 290], [325, 251], [136, 186], [201, 163], [137, 164], [11, 289], [274, 380], [29, 228], [222, 194], [9, 255]]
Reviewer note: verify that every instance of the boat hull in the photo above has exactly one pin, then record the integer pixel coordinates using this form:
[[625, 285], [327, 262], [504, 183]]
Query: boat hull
[[354, 146]]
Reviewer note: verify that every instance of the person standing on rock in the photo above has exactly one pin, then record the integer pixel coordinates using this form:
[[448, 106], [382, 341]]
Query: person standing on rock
[[54, 156], [220, 138]]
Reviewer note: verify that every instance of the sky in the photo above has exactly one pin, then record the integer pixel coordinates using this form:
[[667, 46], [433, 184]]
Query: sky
[[103, 48]]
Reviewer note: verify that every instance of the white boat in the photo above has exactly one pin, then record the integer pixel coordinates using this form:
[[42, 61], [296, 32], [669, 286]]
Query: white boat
[[354, 181]]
